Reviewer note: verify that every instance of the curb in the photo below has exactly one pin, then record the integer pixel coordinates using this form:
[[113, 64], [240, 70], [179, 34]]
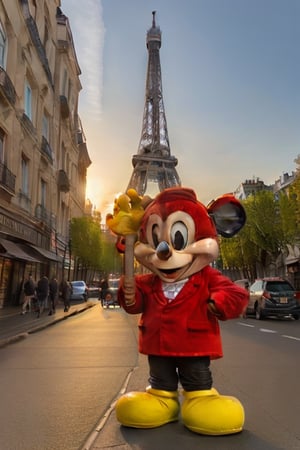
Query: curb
[[36, 329], [13, 339]]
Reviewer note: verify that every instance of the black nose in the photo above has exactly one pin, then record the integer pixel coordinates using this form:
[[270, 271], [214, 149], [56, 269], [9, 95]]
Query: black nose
[[163, 251]]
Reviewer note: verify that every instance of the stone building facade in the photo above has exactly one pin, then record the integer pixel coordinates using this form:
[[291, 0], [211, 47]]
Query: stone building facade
[[43, 151]]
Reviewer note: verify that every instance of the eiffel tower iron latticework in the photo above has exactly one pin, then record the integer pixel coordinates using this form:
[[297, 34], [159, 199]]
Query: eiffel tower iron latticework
[[154, 162]]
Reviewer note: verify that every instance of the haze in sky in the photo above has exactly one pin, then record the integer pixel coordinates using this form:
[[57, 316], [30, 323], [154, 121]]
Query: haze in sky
[[230, 76]]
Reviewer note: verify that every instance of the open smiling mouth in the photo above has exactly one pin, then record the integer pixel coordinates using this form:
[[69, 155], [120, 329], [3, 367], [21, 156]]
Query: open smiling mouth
[[170, 271]]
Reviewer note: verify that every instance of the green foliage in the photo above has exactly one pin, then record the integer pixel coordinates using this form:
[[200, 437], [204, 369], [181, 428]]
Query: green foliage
[[111, 259], [93, 248], [288, 213], [86, 241], [272, 223], [263, 216]]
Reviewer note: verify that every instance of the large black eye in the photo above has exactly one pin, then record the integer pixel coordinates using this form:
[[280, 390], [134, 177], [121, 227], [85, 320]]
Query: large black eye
[[179, 235], [155, 235]]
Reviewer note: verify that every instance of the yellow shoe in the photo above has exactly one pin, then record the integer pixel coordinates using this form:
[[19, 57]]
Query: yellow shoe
[[149, 409], [208, 412]]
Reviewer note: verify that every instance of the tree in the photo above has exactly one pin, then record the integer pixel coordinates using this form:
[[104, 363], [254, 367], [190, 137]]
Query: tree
[[288, 206], [239, 254], [85, 244], [111, 259], [271, 225]]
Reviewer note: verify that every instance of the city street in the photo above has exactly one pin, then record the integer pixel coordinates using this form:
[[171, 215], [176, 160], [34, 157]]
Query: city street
[[58, 386], [260, 367]]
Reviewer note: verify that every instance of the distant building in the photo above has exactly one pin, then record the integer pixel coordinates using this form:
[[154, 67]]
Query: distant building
[[43, 152], [250, 187], [284, 182]]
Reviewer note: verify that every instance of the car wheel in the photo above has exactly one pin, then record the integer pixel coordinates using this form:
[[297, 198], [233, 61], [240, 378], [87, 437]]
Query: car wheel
[[296, 316], [258, 313]]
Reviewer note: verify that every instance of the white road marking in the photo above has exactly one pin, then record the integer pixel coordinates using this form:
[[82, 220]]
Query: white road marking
[[246, 324], [290, 337], [267, 330]]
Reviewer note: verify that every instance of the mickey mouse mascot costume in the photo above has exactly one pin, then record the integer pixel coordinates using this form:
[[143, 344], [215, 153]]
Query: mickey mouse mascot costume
[[180, 301]]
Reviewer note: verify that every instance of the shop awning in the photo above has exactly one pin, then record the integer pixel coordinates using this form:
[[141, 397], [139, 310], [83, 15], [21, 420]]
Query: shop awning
[[46, 253], [13, 250]]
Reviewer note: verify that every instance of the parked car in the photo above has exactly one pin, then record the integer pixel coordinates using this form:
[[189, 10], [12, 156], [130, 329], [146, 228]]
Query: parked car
[[79, 290], [244, 283], [93, 291], [112, 299], [273, 297]]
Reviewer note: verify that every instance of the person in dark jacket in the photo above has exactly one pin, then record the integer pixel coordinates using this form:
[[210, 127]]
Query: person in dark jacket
[[42, 292], [103, 290], [65, 291], [53, 291], [29, 290]]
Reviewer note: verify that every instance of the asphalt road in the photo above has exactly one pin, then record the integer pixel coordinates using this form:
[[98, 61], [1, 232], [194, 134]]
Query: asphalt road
[[57, 386]]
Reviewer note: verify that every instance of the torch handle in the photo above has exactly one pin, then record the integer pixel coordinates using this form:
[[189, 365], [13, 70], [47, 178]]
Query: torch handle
[[129, 255]]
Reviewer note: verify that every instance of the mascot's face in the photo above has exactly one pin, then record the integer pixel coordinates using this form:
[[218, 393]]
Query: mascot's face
[[178, 235]]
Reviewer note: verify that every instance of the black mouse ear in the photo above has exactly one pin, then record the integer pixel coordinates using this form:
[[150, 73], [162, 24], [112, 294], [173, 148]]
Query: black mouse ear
[[228, 215]]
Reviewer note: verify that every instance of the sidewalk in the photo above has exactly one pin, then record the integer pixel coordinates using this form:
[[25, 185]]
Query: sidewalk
[[15, 326]]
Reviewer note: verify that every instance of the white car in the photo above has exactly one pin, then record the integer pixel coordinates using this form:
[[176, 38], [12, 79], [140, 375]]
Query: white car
[[79, 291]]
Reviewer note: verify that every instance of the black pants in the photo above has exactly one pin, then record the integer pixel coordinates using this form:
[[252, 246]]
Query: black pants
[[193, 373], [66, 303], [52, 300]]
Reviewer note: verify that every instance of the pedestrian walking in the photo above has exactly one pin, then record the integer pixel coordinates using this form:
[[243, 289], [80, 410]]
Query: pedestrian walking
[[65, 291], [29, 290], [42, 292], [103, 290], [53, 291]]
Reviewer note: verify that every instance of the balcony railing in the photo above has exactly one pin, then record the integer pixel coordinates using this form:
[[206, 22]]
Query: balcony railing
[[42, 214], [28, 125], [64, 107], [46, 149], [63, 182], [6, 87], [24, 201], [7, 179], [34, 34]]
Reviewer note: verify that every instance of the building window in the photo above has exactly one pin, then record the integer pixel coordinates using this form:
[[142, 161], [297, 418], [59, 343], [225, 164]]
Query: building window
[[2, 138], [69, 89], [45, 127], [64, 84], [43, 193], [46, 34], [63, 157], [3, 43], [28, 100], [25, 175]]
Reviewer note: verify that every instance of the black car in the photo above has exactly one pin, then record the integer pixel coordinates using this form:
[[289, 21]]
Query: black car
[[273, 297], [111, 298]]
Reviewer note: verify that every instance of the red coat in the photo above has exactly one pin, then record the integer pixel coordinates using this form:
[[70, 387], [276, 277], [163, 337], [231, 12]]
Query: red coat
[[184, 326]]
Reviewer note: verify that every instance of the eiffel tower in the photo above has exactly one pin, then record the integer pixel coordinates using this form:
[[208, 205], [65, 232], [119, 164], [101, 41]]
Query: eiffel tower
[[153, 162]]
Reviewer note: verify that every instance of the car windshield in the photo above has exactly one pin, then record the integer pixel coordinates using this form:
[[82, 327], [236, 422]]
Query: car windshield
[[77, 283], [113, 283], [275, 286]]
